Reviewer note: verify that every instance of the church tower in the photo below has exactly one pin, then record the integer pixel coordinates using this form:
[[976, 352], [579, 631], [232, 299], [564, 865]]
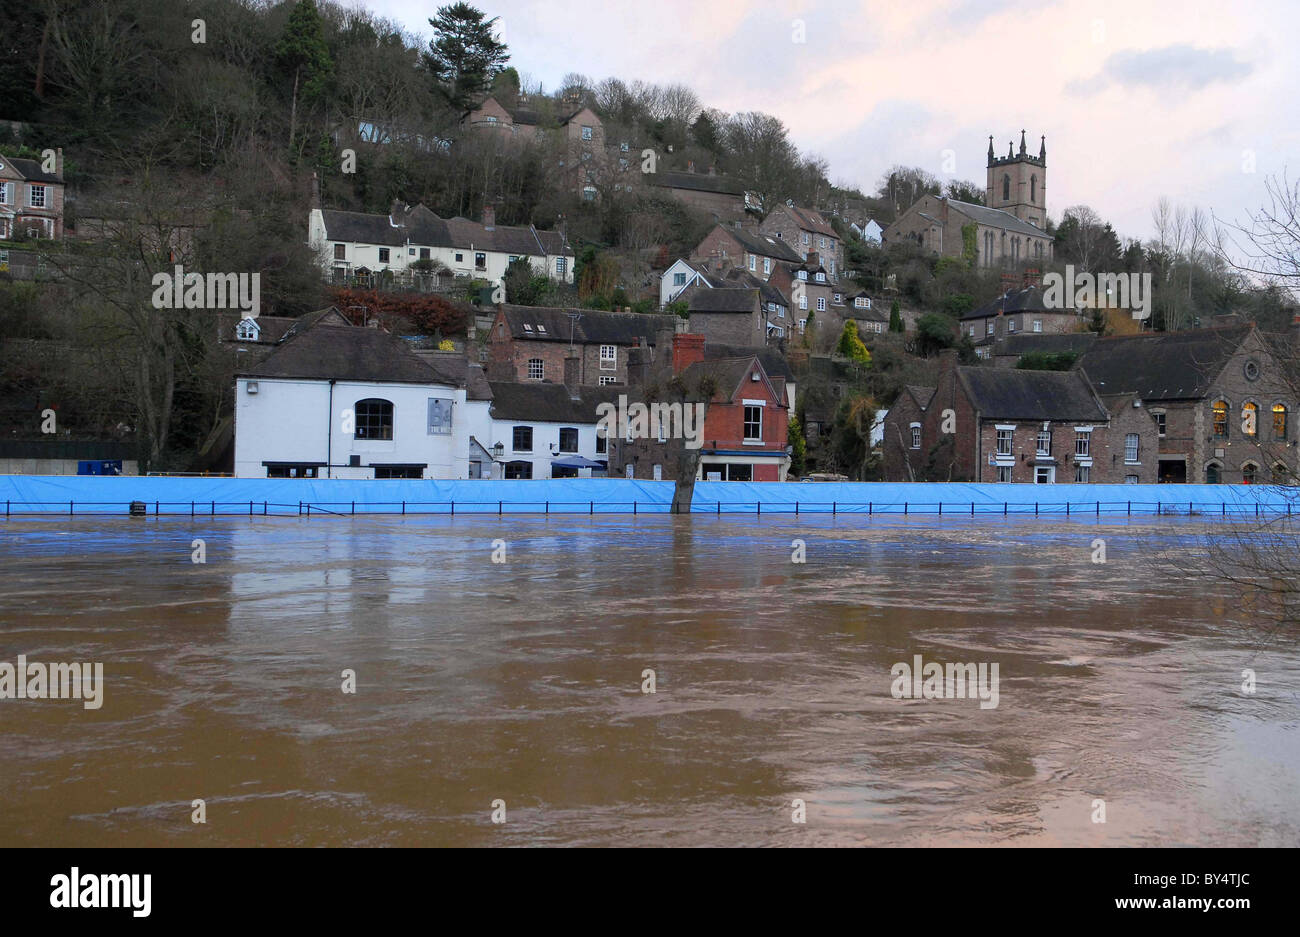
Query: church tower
[[1017, 183]]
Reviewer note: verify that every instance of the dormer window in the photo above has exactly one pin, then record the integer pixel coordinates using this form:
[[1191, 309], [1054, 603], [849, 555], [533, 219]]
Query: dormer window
[[247, 330], [821, 278], [803, 274]]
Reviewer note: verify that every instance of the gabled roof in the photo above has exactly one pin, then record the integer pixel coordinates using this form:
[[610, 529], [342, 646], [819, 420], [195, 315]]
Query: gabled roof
[[331, 352], [551, 323], [31, 170], [809, 220], [764, 246], [1163, 365], [739, 276], [1047, 343], [1027, 299], [922, 395], [728, 375], [421, 227], [458, 371], [697, 182], [729, 299], [1011, 394], [995, 218], [774, 362], [549, 403]]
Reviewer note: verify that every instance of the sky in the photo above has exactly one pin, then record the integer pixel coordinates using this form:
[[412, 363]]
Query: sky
[[1138, 99]]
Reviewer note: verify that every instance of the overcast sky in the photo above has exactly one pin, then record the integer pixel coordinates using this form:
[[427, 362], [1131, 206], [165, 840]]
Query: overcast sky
[[1138, 99]]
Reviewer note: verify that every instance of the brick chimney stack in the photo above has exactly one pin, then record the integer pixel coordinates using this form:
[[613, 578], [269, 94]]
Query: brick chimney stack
[[489, 216], [814, 258], [688, 348]]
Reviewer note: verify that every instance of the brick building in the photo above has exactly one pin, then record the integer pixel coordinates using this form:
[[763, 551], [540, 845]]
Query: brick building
[[31, 199], [538, 343], [808, 232], [737, 247]]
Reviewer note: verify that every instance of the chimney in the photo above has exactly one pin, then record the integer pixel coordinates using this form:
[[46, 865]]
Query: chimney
[[947, 360], [814, 258], [687, 350], [572, 366], [1009, 281], [489, 216], [1033, 278]]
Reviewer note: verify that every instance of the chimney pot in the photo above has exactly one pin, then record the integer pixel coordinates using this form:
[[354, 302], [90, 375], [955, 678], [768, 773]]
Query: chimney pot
[[688, 348]]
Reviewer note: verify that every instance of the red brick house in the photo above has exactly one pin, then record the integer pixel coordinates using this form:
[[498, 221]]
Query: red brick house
[[31, 199]]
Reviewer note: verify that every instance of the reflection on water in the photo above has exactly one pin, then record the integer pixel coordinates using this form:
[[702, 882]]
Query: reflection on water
[[522, 681]]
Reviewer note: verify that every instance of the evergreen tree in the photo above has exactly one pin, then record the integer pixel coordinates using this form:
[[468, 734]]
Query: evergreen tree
[[464, 56], [895, 318], [302, 52]]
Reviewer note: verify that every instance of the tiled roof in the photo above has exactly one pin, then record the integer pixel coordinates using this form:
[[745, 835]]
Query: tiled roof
[[1027, 299], [810, 220], [774, 362], [346, 354], [421, 227], [696, 182], [549, 403], [1162, 365], [550, 323], [922, 395], [31, 170], [765, 246], [727, 373], [731, 299], [1076, 342], [1011, 394]]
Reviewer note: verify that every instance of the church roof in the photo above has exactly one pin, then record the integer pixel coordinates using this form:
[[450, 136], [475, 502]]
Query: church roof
[[996, 218]]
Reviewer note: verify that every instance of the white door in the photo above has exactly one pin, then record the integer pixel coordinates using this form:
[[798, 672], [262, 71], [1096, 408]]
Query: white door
[[1044, 475]]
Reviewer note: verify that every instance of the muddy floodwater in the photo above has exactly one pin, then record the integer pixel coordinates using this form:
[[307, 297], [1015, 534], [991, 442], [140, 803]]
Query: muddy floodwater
[[522, 682]]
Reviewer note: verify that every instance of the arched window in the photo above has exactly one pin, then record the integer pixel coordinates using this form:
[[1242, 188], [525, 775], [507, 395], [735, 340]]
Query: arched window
[[1279, 422], [1221, 419], [374, 419], [1249, 419], [1033, 189], [1212, 474], [1248, 472], [1006, 188]]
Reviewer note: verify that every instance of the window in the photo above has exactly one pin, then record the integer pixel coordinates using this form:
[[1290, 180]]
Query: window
[[1004, 473], [288, 470], [780, 311], [753, 424], [1248, 472], [522, 439], [374, 419], [1221, 419], [606, 379], [4, 193], [1212, 474], [340, 252], [753, 262], [803, 303], [399, 471], [622, 147], [802, 323], [767, 265], [821, 277], [803, 274], [679, 279], [568, 439], [480, 261], [1038, 325], [424, 253], [1043, 445], [1011, 326], [491, 119], [586, 132], [36, 196], [589, 193], [821, 303], [536, 369], [585, 157], [602, 444], [1279, 422], [988, 327], [410, 251], [460, 258], [1033, 189], [608, 357], [1131, 447], [1160, 422], [1279, 474], [1130, 479], [1081, 473], [1249, 419], [1046, 475], [383, 255], [1006, 188], [916, 435], [561, 265], [519, 470], [1004, 441], [1082, 442], [622, 164], [807, 238]]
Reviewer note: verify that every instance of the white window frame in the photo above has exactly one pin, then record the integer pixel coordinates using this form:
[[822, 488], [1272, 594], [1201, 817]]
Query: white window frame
[[541, 369], [609, 357], [916, 435], [821, 303], [32, 189], [757, 405]]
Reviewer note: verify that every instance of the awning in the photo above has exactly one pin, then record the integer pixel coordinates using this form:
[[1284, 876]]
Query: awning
[[575, 461]]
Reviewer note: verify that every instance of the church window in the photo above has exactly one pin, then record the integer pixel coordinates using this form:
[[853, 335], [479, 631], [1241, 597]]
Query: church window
[[1033, 189], [1006, 188]]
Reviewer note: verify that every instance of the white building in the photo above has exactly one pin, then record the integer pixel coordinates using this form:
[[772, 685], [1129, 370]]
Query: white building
[[336, 401], [541, 427], [346, 242], [682, 274]]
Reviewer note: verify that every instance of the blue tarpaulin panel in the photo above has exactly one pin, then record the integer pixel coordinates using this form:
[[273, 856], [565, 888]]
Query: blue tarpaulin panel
[[84, 494]]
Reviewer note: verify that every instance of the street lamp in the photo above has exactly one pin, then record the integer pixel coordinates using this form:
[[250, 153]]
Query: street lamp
[[498, 451]]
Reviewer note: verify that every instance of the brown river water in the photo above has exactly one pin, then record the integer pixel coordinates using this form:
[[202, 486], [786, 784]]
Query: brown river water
[[522, 682]]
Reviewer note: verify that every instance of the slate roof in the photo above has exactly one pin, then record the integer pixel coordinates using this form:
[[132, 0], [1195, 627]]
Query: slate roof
[[810, 220], [765, 246], [551, 323], [549, 403], [996, 218], [1047, 343], [458, 371], [922, 395], [1009, 394], [1027, 299], [1162, 365], [766, 289], [421, 227], [773, 361], [728, 374], [345, 354], [31, 170], [730, 299], [697, 182]]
